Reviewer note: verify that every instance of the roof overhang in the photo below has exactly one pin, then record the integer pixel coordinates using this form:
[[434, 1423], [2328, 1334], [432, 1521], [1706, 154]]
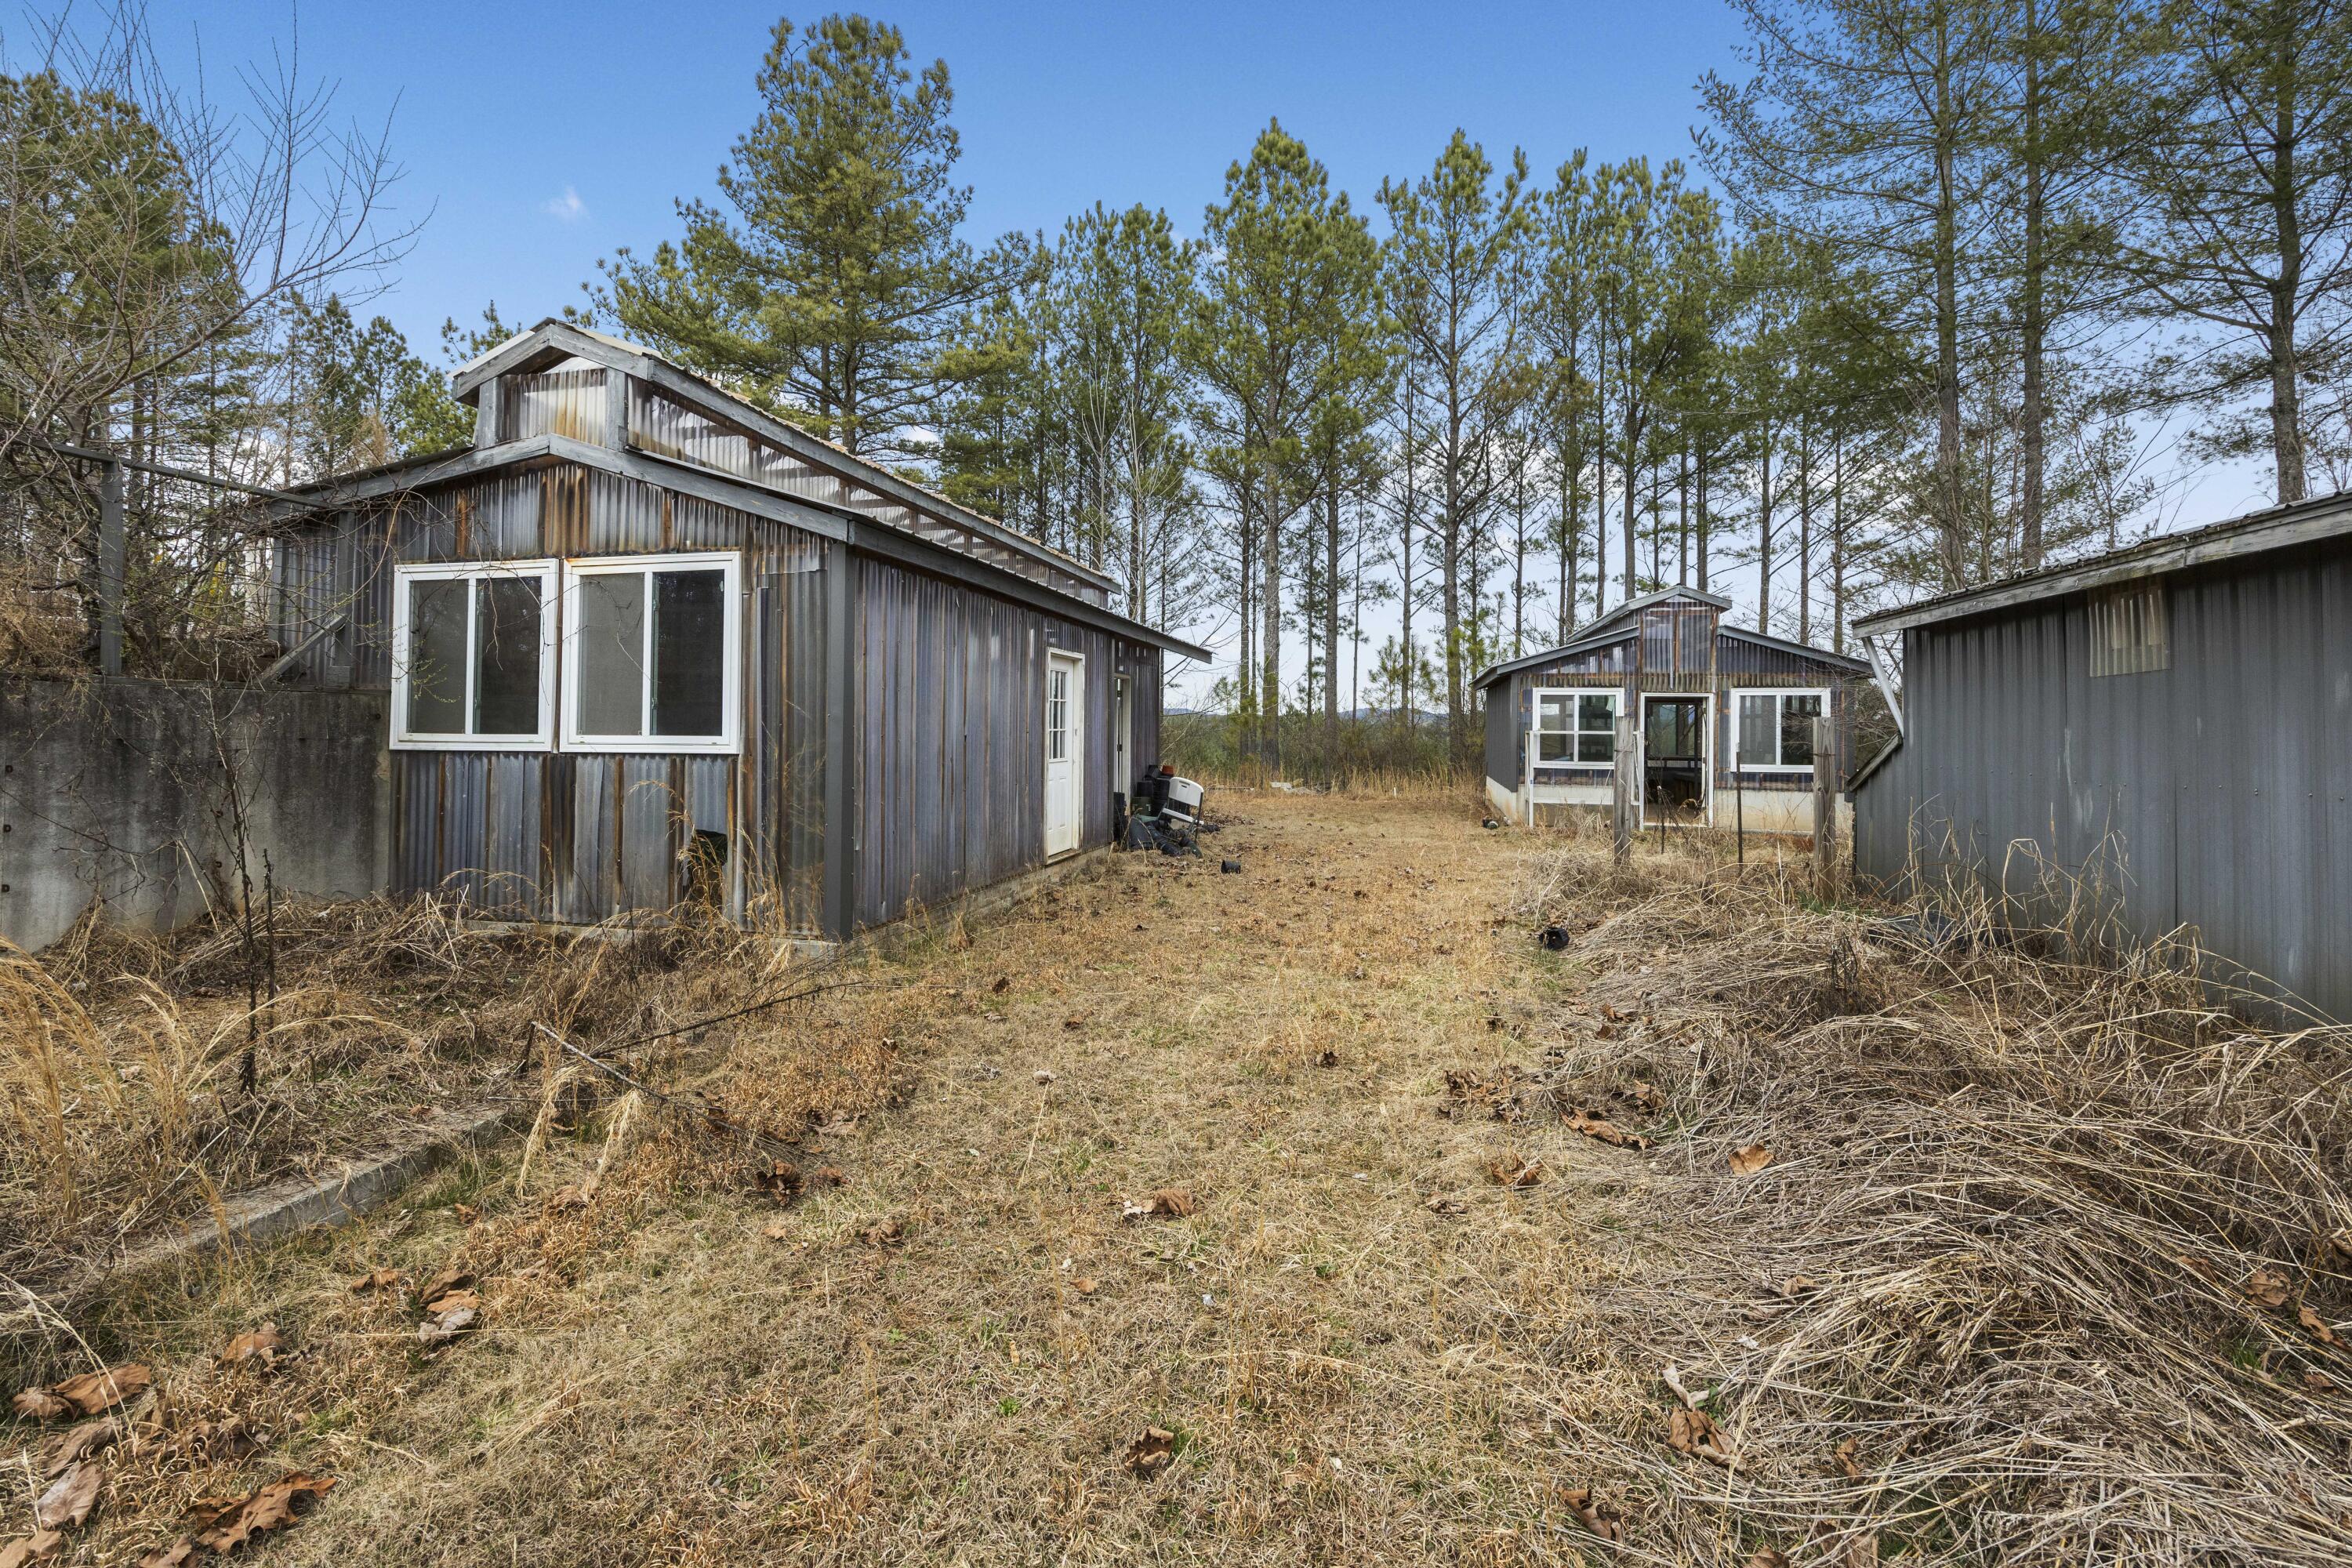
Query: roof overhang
[[2281, 528], [845, 524]]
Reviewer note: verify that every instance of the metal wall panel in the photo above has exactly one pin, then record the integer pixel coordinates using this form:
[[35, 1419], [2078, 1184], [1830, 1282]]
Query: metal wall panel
[[2209, 797], [946, 782], [950, 756]]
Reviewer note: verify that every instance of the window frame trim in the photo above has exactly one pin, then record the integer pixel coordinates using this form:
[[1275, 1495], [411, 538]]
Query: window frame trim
[[729, 741], [1536, 730], [547, 570], [1739, 719]]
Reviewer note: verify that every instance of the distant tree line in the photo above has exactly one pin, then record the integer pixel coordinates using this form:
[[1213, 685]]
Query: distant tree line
[[1943, 280]]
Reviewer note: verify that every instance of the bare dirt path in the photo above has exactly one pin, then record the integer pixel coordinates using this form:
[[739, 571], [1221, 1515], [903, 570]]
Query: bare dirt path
[[1349, 1335]]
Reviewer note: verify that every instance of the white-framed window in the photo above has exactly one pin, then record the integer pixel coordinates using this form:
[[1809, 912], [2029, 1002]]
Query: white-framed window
[[1057, 713], [473, 655], [1575, 729], [1772, 732], [652, 653]]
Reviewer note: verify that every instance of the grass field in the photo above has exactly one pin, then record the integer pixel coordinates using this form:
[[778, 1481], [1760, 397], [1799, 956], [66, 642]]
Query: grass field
[[1292, 1215]]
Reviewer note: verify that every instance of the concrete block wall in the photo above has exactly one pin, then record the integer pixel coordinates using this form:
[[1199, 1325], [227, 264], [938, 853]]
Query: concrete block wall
[[117, 792]]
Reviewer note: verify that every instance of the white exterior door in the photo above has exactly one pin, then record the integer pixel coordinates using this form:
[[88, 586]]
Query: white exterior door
[[1065, 707]]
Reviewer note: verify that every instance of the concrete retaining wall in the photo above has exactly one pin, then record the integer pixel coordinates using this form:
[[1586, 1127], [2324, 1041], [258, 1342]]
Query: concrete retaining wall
[[117, 791]]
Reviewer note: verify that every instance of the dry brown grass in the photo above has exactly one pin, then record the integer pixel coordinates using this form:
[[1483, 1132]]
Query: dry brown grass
[[121, 1056], [2075, 1238], [1365, 1348]]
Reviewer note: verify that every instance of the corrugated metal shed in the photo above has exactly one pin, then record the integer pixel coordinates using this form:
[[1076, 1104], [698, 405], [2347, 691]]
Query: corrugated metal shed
[[892, 664], [2208, 795]]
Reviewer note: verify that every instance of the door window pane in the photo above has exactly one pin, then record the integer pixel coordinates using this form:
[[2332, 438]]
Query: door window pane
[[610, 646], [436, 656], [506, 652], [689, 652], [1057, 713]]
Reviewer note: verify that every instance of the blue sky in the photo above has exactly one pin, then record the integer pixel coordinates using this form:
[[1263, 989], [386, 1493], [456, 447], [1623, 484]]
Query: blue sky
[[542, 136]]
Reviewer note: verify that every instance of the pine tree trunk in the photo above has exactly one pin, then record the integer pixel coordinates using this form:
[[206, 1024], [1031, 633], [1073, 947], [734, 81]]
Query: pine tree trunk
[[2286, 411], [1947, 315], [1805, 530], [1764, 542], [1330, 628], [2029, 410]]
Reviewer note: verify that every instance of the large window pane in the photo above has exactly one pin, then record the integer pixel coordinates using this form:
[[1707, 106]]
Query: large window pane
[[610, 646], [1796, 716], [1597, 713], [436, 656], [689, 652], [1759, 729], [506, 650]]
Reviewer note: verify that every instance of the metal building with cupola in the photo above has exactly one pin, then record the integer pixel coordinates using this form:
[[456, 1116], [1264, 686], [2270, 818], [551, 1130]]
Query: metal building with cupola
[[645, 643], [1723, 716]]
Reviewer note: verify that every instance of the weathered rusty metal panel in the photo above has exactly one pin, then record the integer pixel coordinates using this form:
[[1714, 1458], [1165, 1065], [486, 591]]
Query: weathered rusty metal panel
[[2207, 796], [512, 859], [647, 850]]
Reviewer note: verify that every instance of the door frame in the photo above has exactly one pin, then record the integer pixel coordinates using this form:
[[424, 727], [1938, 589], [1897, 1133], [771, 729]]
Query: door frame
[[1642, 750], [1075, 721], [1122, 733]]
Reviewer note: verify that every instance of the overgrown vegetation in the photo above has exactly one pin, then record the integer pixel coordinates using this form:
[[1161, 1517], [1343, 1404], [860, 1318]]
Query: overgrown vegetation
[[1986, 1246]]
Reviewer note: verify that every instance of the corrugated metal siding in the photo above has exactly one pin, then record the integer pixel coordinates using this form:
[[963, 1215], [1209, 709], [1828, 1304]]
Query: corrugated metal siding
[[948, 780], [1506, 737], [2211, 795], [581, 837], [951, 702]]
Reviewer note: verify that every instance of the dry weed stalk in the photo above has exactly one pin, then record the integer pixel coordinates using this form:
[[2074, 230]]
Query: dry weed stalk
[[1999, 1295]]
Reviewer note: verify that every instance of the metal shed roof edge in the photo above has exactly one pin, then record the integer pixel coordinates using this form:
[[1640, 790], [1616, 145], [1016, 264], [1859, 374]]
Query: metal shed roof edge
[[856, 528], [2255, 533], [555, 339]]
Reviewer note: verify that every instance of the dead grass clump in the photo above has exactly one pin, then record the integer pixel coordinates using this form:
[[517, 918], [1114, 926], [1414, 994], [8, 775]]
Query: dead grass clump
[[120, 1055], [1987, 1254]]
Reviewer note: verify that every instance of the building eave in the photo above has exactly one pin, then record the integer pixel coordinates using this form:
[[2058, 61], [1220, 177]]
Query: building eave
[[2257, 533]]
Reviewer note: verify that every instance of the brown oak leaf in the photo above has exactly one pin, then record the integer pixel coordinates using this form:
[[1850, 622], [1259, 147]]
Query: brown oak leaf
[[93, 1392], [262, 1347], [71, 1497], [1749, 1159], [1153, 1451], [265, 1507]]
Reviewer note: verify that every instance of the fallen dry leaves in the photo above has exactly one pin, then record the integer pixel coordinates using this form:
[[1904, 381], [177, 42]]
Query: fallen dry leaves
[[38, 1547], [1153, 1451], [778, 1179], [1595, 1515], [1168, 1203], [382, 1279], [1690, 1431], [1602, 1129], [223, 1525], [91, 1393], [81, 1442], [2319, 1326], [1749, 1159], [260, 1347], [2269, 1287], [70, 1498], [1514, 1170]]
